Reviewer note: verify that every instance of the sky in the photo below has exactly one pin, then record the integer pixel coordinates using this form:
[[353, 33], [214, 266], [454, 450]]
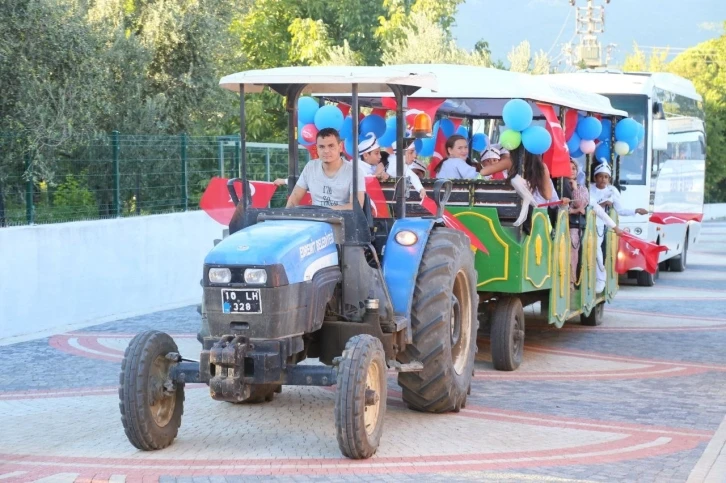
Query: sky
[[548, 24]]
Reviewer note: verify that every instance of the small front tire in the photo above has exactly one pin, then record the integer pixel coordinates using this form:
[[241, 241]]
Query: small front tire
[[507, 336], [596, 316], [360, 398], [151, 404]]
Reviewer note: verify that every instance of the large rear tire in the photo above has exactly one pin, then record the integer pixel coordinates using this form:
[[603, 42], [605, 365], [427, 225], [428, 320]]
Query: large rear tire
[[360, 398], [151, 404], [444, 322], [507, 336]]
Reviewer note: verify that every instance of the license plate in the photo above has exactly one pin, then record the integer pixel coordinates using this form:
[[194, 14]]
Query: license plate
[[243, 301]]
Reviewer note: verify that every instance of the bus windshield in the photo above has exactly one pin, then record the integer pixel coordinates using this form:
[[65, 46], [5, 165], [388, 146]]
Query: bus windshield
[[633, 166]]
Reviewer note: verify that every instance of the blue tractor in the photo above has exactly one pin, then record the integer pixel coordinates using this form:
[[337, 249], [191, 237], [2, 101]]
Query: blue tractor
[[360, 294]]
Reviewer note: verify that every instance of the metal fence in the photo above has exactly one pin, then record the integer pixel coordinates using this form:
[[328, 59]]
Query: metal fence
[[118, 175]]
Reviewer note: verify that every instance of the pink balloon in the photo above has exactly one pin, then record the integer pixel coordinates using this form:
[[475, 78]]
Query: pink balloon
[[309, 132], [587, 147]]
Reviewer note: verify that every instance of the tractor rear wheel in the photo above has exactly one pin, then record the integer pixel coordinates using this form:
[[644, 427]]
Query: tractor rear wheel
[[444, 322], [360, 398], [151, 404]]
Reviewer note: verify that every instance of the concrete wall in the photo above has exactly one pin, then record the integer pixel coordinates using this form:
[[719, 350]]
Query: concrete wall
[[83, 273], [714, 211]]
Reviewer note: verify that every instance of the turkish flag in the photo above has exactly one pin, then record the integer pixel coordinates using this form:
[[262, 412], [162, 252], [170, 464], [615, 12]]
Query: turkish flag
[[570, 123], [344, 108], [636, 253], [451, 222], [378, 200], [415, 106], [439, 152], [557, 157], [218, 204], [671, 218]]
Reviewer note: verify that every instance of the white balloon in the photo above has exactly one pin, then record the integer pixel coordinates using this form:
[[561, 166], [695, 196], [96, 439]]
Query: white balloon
[[621, 148], [587, 147]]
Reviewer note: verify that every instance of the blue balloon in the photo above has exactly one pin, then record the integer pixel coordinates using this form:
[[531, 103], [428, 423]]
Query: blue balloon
[[576, 153], [346, 130], [425, 146], [306, 109], [329, 116], [463, 131], [373, 123], [536, 139], [479, 142], [447, 126], [517, 114], [607, 127], [390, 135], [589, 128], [626, 129], [349, 145], [574, 143], [641, 132], [603, 151], [633, 143]]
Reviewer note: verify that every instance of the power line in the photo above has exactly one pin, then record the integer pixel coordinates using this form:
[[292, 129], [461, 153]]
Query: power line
[[562, 29]]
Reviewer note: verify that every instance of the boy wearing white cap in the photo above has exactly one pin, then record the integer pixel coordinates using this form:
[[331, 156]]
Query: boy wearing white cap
[[409, 161], [603, 194], [370, 153]]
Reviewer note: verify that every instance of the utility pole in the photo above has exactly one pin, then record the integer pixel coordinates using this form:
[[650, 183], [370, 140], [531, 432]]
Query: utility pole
[[589, 23]]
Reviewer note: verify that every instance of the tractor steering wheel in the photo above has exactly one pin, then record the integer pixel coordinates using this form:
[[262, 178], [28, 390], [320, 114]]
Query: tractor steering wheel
[[312, 207]]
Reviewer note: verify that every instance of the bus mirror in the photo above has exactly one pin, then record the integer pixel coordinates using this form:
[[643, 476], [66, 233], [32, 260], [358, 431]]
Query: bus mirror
[[660, 135]]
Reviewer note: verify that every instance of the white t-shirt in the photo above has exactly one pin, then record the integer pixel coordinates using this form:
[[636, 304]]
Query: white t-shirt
[[329, 191], [412, 177]]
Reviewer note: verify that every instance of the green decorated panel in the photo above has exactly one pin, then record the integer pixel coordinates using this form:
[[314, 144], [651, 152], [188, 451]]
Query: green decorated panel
[[499, 270], [537, 248], [560, 292]]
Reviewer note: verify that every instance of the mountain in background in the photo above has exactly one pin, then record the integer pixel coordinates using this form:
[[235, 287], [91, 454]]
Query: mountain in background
[[547, 24]]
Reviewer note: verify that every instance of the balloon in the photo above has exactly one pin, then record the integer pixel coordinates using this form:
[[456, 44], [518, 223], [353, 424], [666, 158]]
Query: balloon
[[510, 139], [373, 123], [308, 133], [346, 130], [348, 144], [574, 143], [587, 146], [607, 127], [621, 148], [425, 146], [536, 139], [517, 114], [329, 116], [463, 131], [389, 136], [447, 127], [589, 128], [626, 129], [632, 143], [479, 142], [300, 137], [602, 151], [307, 107], [576, 153], [641, 132]]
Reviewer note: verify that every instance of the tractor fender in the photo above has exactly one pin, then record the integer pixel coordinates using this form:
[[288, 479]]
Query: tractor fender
[[400, 263], [302, 247]]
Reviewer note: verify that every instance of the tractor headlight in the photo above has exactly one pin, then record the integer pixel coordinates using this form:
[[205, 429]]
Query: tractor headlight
[[220, 275], [406, 238], [638, 231], [256, 276]]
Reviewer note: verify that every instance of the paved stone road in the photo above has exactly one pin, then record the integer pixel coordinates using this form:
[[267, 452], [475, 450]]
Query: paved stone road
[[637, 399]]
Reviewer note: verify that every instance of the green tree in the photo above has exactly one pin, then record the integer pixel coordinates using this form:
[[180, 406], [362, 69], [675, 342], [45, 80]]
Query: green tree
[[521, 60]]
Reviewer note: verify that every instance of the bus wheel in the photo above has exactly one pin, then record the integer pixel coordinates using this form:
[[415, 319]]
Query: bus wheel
[[678, 264], [645, 279]]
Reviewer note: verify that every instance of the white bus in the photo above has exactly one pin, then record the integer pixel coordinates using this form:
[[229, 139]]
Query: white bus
[[666, 172]]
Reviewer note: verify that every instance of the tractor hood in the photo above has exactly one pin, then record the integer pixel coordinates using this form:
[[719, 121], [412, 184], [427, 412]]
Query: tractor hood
[[302, 247]]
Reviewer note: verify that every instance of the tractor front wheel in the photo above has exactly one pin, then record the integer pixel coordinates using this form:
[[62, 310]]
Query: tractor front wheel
[[360, 399], [151, 403]]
